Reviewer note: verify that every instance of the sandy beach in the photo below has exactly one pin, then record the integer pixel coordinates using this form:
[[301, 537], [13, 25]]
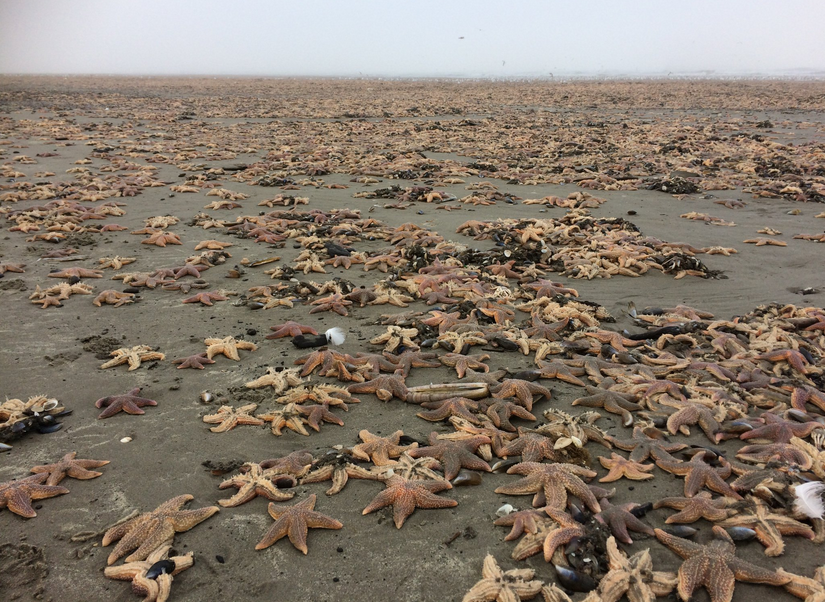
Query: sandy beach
[[654, 161]]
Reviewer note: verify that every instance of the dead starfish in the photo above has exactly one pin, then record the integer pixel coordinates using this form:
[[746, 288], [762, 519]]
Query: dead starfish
[[228, 418], [129, 403], [69, 466], [227, 346], [133, 356]]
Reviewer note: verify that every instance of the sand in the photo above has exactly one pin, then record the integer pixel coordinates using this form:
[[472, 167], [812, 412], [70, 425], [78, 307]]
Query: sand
[[240, 121]]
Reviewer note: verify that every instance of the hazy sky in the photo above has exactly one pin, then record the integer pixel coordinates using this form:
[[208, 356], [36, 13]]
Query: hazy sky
[[416, 37]]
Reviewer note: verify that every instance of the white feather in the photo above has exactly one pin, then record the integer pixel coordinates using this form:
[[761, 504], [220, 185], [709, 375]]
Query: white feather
[[809, 499], [335, 336]]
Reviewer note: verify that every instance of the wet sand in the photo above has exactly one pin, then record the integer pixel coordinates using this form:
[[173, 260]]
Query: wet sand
[[43, 349]]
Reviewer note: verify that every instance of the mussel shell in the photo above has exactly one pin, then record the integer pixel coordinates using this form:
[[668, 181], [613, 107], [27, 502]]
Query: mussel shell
[[642, 509], [44, 429], [466, 478], [4, 447], [741, 533], [528, 375], [284, 481], [159, 568], [574, 580], [681, 530], [503, 465]]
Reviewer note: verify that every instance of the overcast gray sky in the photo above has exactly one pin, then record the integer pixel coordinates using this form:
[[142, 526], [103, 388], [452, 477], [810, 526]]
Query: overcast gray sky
[[412, 38]]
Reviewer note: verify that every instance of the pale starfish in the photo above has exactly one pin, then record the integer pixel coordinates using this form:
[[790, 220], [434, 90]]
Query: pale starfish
[[503, 586], [133, 356], [228, 418], [227, 346], [146, 581], [255, 481]]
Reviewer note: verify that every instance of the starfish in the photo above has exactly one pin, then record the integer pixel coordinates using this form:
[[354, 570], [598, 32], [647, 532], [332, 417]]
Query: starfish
[[784, 452], [290, 329], [779, 430], [620, 519], [18, 495], [414, 469], [253, 482], [405, 496], [379, 450], [521, 521], [149, 530], [113, 297], [12, 267], [497, 585], [500, 412], [522, 390], [338, 467], [128, 402], [647, 443], [396, 337], [228, 418], [334, 302], [116, 262], [162, 238], [561, 371], [462, 363], [810, 590], [532, 446], [715, 566], [454, 455], [769, 526], [570, 430], [76, 273], [280, 380], [193, 361], [294, 522], [410, 359], [691, 413], [288, 416], [228, 346], [760, 242], [555, 480], [452, 406], [621, 467], [633, 577], [698, 473], [205, 298], [133, 356], [702, 505], [68, 466], [613, 402], [296, 464], [323, 359], [384, 386], [152, 578], [315, 414], [567, 529]]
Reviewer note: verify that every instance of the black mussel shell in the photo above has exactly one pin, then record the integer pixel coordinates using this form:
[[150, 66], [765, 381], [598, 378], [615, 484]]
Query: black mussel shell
[[642, 509], [159, 568], [574, 580], [681, 530]]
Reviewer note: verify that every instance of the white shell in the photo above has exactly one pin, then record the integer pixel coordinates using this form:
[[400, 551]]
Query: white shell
[[505, 510], [126, 440]]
